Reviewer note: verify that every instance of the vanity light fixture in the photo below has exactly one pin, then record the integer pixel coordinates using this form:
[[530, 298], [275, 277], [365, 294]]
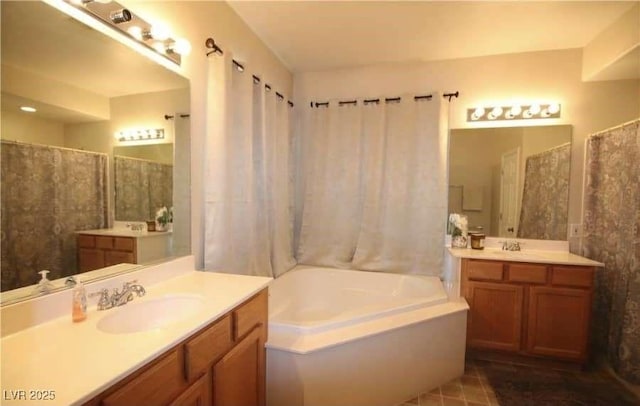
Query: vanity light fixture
[[156, 37], [514, 112], [140, 134]]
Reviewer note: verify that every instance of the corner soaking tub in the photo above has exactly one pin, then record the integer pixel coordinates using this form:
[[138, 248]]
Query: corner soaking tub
[[341, 337]]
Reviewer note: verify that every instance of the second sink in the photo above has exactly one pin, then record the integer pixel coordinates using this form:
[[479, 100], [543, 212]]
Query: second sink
[[151, 314]]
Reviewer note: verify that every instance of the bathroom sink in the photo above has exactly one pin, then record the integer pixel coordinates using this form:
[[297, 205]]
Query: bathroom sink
[[150, 314]]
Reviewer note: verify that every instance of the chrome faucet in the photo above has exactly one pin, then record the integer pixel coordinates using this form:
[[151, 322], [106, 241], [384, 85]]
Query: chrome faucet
[[510, 245], [124, 296]]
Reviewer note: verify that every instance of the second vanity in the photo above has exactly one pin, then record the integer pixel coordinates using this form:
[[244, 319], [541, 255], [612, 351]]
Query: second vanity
[[530, 303], [110, 246], [212, 352]]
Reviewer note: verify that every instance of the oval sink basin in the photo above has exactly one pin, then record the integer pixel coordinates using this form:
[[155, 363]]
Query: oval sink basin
[[151, 314]]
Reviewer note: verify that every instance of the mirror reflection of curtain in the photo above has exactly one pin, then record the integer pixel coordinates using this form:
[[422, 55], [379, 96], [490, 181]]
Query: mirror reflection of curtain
[[375, 186], [612, 236], [248, 213], [545, 197], [48, 193], [142, 187]]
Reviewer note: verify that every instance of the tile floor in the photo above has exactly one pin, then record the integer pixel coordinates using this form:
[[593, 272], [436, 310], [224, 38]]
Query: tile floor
[[474, 388], [471, 389]]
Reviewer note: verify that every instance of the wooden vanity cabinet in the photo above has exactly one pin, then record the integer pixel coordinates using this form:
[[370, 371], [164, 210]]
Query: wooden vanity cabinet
[[540, 310], [99, 251], [223, 364]]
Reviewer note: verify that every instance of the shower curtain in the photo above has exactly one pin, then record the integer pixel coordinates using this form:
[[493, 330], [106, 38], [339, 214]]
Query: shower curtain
[[612, 236], [142, 187], [373, 189], [48, 193], [248, 204], [545, 196]]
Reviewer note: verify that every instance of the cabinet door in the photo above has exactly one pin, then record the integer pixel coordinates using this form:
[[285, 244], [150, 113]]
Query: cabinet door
[[238, 378], [118, 257], [558, 322], [495, 316], [90, 259], [195, 395]]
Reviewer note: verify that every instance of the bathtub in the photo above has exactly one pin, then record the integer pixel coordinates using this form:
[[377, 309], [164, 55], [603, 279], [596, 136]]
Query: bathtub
[[342, 337]]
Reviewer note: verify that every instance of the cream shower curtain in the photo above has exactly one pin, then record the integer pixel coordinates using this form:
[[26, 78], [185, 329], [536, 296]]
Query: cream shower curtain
[[612, 236], [248, 206], [373, 189]]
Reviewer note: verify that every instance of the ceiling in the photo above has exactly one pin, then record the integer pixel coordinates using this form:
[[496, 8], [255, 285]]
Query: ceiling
[[41, 41], [321, 35]]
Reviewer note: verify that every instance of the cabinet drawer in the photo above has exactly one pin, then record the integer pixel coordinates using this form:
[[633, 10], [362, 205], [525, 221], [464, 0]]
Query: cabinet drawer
[[124, 244], [86, 241], [157, 385], [528, 273], [207, 346], [485, 270], [250, 314], [104, 242], [581, 277]]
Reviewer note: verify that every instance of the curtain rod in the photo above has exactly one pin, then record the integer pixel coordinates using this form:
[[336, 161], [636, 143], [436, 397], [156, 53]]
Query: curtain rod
[[215, 49], [170, 117], [386, 100]]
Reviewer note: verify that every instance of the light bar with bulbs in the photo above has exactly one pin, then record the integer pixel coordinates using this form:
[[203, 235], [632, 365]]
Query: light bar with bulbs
[[154, 36], [514, 112], [140, 134]]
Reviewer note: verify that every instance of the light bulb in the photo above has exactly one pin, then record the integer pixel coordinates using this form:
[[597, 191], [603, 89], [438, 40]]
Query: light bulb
[[553, 108], [160, 32], [495, 113], [28, 109], [477, 113], [135, 32], [534, 109], [182, 46]]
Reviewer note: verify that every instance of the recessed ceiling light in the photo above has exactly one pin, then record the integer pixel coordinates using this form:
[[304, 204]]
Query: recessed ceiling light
[[28, 109]]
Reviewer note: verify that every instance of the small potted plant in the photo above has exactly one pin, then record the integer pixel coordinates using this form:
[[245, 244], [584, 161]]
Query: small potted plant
[[163, 219], [458, 228]]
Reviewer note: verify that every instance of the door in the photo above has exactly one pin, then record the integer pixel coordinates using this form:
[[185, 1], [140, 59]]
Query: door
[[558, 322], [509, 175], [495, 316], [238, 378]]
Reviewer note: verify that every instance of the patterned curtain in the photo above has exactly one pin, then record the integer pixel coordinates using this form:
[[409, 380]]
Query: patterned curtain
[[612, 236], [545, 197], [48, 193], [142, 187]]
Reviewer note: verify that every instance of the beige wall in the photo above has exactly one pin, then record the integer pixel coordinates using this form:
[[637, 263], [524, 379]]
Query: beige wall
[[532, 76], [23, 127], [196, 21]]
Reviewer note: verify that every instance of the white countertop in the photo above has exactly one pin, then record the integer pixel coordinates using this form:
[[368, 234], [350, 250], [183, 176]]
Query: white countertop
[[532, 256], [77, 361], [124, 232]]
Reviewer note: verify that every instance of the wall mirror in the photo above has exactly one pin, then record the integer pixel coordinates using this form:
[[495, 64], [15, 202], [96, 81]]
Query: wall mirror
[[58, 163], [513, 181]]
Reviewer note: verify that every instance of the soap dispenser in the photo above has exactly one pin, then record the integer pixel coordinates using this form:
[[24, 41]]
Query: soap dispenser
[[45, 285], [78, 302]]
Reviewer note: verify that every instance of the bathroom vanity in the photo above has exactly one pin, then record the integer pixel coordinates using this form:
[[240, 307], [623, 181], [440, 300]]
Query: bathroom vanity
[[110, 246], [195, 338], [531, 304], [223, 363]]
